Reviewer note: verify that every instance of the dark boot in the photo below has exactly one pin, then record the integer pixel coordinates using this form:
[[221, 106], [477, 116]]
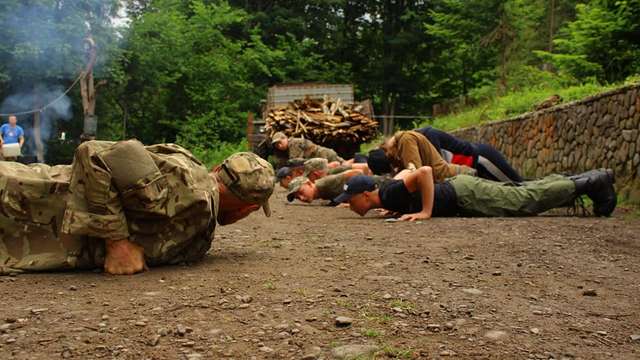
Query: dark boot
[[598, 186]]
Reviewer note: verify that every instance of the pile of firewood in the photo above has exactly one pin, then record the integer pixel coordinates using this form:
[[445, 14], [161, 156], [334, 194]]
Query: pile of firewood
[[324, 121]]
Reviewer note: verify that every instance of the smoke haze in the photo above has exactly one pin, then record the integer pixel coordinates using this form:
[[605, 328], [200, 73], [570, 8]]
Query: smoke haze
[[40, 96], [45, 41]]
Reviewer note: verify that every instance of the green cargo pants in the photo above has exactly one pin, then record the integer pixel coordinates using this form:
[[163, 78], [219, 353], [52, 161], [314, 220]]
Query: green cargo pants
[[481, 197]]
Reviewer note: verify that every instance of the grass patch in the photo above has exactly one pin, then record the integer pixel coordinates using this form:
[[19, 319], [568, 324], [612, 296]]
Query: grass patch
[[513, 104], [372, 144], [382, 319], [402, 304], [345, 304], [372, 333], [301, 291], [269, 285], [630, 211], [397, 353], [505, 107]]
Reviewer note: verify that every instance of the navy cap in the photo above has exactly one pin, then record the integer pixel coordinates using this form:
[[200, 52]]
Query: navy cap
[[360, 159], [354, 186], [378, 162], [283, 172]]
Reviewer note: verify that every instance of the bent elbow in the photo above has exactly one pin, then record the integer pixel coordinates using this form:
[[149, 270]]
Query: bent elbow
[[426, 170]]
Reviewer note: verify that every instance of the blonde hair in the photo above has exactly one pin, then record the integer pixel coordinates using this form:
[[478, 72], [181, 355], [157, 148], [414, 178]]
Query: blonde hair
[[390, 149]]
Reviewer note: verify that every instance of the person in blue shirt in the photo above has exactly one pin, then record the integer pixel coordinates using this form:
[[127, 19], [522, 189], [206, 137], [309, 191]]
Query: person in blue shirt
[[11, 133]]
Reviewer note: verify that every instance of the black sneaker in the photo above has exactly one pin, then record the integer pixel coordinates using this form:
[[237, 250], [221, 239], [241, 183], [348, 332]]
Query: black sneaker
[[605, 198]]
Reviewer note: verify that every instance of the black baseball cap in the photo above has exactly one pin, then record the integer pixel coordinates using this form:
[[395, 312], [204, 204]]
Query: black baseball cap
[[354, 186], [378, 162]]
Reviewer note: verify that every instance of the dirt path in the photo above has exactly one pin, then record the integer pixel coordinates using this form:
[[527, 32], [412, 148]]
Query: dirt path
[[463, 288]]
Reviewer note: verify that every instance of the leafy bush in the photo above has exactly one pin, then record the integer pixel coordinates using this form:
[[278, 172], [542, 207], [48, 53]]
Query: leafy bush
[[215, 155]]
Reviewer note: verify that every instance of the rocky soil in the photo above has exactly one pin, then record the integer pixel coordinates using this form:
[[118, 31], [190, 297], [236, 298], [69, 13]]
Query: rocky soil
[[314, 282]]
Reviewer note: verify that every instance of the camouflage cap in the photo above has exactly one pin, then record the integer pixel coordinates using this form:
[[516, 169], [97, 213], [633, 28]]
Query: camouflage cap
[[277, 137], [249, 177], [294, 186], [315, 164]]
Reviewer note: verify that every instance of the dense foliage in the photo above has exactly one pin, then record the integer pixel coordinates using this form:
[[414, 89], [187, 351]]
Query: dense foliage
[[190, 70], [603, 42]]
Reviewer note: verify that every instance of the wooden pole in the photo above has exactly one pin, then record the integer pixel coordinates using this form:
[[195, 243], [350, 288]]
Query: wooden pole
[[37, 137], [88, 92], [37, 126], [250, 119]]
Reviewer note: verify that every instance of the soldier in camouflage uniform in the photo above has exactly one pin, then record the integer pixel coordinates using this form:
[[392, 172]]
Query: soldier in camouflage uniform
[[318, 168], [314, 169], [326, 188], [121, 206], [299, 148]]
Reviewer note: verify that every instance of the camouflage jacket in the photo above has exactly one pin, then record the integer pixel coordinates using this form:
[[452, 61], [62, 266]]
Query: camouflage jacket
[[306, 149], [159, 197]]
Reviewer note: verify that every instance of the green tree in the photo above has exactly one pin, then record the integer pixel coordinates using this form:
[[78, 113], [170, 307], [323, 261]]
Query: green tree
[[42, 52], [196, 69], [43, 39], [603, 42], [380, 41], [460, 62]]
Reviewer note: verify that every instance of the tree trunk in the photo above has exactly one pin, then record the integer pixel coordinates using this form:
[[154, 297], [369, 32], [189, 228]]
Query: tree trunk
[[552, 20], [37, 128], [250, 119], [125, 117], [502, 86], [392, 61], [88, 93]]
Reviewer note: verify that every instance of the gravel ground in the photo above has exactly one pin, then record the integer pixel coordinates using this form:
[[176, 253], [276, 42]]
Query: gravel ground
[[314, 282]]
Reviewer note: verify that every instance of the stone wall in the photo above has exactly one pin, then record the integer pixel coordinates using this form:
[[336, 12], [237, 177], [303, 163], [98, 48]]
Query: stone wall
[[599, 131]]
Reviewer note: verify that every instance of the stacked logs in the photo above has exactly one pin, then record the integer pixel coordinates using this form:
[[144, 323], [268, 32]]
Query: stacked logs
[[322, 121]]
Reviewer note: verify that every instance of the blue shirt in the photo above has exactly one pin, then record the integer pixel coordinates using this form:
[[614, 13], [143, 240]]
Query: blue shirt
[[11, 135]]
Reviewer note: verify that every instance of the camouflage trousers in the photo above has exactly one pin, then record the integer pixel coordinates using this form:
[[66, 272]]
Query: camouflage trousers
[[32, 204], [481, 197], [54, 218]]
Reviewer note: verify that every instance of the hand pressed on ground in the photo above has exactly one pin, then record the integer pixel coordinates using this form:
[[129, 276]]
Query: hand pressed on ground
[[414, 217], [124, 257]]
